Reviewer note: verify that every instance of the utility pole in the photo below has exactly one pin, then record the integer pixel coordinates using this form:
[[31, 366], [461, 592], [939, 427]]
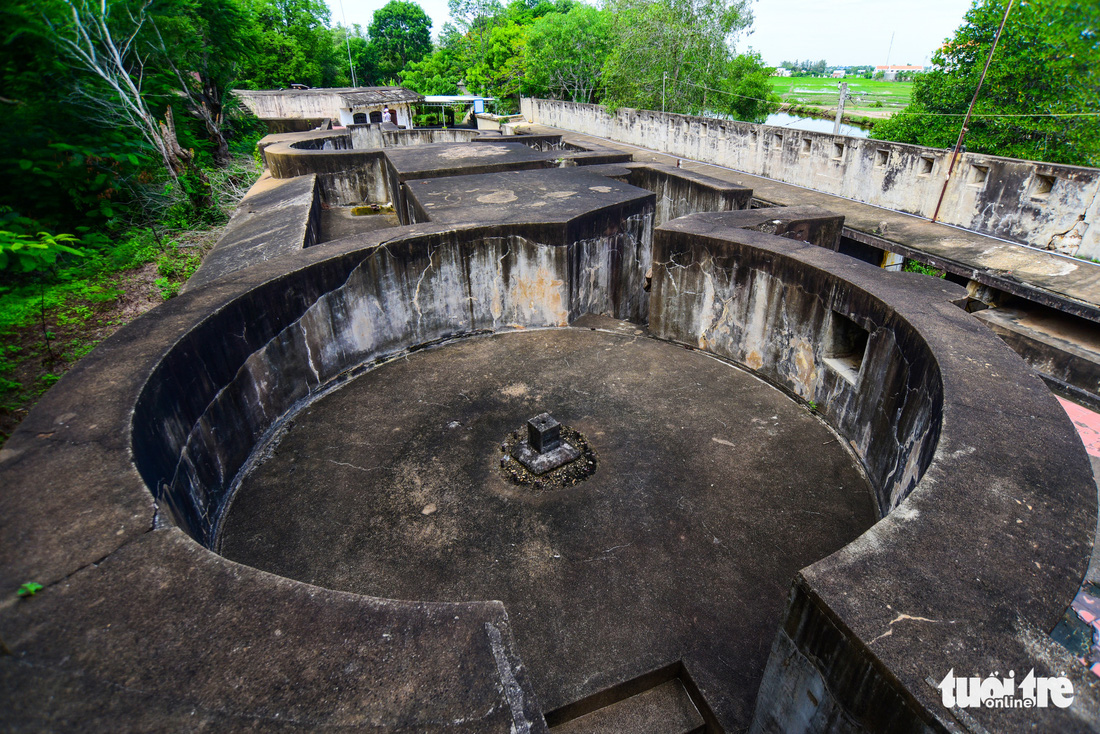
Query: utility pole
[[840, 107], [969, 111], [663, 80]]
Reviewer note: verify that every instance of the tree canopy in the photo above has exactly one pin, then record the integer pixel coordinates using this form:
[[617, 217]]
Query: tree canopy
[[400, 33], [1044, 73], [567, 53], [676, 55]]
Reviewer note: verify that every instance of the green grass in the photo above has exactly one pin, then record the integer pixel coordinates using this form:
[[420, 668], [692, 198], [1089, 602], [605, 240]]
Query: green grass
[[869, 94]]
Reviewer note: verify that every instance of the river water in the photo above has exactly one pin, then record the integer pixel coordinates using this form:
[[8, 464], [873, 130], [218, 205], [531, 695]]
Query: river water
[[782, 119]]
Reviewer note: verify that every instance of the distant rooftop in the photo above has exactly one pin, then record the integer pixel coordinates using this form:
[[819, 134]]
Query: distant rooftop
[[353, 96]]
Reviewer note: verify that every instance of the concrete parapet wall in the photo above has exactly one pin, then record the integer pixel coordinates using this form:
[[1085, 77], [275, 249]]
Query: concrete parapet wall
[[279, 104], [681, 192], [367, 137], [1023, 201], [397, 138]]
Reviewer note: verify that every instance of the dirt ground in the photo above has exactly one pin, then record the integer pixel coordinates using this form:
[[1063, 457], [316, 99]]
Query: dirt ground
[[49, 348]]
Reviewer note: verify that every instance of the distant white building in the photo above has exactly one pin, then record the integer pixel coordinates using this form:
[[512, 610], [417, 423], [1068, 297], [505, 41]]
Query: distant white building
[[781, 72], [890, 72], [839, 73], [344, 106]]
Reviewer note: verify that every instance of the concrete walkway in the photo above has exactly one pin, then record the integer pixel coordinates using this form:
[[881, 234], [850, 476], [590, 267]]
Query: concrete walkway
[[1057, 281]]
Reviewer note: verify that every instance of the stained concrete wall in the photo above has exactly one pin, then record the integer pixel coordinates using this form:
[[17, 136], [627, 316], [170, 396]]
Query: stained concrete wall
[[949, 577], [1023, 201], [203, 410], [280, 104], [799, 327], [681, 192], [345, 176], [367, 137]]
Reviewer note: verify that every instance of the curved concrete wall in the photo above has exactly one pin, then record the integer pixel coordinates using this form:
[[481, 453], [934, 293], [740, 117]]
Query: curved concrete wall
[[950, 577], [1024, 201], [790, 322], [203, 410], [345, 176]]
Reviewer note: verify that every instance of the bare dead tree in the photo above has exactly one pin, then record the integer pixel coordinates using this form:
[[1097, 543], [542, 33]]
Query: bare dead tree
[[111, 57], [203, 102]]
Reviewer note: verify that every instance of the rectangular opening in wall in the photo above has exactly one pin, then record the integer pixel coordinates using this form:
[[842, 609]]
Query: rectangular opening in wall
[[838, 151], [845, 345], [926, 163], [1042, 186], [978, 175], [779, 140], [882, 157], [807, 145]]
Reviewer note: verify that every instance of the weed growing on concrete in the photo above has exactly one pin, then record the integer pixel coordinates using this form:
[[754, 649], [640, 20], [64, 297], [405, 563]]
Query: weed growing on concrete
[[912, 266], [30, 588]]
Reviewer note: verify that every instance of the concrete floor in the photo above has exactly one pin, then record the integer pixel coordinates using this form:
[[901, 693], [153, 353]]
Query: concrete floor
[[713, 489], [338, 222]]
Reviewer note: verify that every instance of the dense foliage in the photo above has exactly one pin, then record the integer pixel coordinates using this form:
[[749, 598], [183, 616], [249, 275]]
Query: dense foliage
[[630, 53], [1044, 72]]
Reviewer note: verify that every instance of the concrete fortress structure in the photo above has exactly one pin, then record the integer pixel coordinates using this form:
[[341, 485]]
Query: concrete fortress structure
[[282, 500]]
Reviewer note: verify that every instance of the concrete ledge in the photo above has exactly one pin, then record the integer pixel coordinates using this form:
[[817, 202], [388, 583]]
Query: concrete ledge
[[276, 217], [1060, 348]]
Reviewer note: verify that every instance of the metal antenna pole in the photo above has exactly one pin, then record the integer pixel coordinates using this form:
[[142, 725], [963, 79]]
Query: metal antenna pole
[[663, 80], [347, 39], [969, 110]]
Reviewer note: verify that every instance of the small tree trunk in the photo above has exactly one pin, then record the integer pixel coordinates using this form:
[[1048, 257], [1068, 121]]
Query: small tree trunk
[[213, 117], [182, 164]]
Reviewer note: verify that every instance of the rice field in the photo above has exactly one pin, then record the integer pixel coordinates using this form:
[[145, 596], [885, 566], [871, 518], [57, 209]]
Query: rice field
[[870, 97]]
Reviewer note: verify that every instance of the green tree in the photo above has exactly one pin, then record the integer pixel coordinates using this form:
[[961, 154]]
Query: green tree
[[199, 45], [400, 33], [101, 42], [500, 71], [293, 44], [438, 73], [566, 54], [60, 165], [1046, 62], [675, 55]]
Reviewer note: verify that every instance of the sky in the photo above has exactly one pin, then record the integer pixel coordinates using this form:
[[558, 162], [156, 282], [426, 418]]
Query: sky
[[843, 32]]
